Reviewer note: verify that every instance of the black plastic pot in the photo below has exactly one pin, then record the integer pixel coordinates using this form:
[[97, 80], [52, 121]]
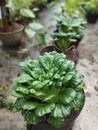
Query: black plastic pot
[[69, 121], [91, 17], [76, 44], [44, 125], [72, 53]]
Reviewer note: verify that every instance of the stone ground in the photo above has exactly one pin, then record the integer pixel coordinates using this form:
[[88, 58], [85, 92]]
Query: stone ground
[[87, 65]]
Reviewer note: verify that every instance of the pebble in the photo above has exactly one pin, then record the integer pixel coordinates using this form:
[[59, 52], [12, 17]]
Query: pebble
[[88, 94], [96, 88]]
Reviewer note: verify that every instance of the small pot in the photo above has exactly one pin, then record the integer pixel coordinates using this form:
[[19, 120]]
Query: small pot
[[72, 53], [68, 124], [48, 48], [13, 38], [76, 44], [91, 17], [44, 125]]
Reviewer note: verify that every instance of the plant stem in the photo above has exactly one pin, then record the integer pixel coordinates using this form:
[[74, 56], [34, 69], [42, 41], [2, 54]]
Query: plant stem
[[5, 20]]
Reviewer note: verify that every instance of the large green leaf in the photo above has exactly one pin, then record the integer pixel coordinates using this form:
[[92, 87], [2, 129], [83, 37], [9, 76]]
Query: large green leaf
[[68, 76], [29, 105], [71, 65], [52, 94], [30, 117], [78, 101], [10, 4], [22, 89], [25, 67], [68, 95], [35, 26], [49, 97], [37, 92], [56, 76], [41, 38], [61, 111], [76, 81], [30, 32], [56, 122], [18, 104], [38, 84], [44, 109], [27, 13], [23, 78], [16, 94]]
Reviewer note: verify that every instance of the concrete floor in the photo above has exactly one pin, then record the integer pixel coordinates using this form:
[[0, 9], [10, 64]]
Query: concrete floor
[[87, 65]]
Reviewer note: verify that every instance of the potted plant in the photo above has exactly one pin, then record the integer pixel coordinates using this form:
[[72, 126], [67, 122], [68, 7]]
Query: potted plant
[[49, 92], [61, 43], [72, 26], [68, 34], [73, 8], [13, 11], [91, 8]]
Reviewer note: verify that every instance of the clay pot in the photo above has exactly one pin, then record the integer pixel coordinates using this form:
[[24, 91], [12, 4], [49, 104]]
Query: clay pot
[[13, 38]]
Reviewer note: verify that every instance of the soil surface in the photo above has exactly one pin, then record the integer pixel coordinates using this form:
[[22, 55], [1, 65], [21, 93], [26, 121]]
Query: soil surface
[[87, 65]]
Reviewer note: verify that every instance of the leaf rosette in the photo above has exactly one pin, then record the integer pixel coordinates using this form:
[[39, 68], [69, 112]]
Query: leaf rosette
[[49, 85]]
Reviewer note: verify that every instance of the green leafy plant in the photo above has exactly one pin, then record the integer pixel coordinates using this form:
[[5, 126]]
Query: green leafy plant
[[63, 40], [32, 28], [91, 5], [72, 27], [41, 39], [3, 92], [48, 87], [4, 101], [20, 11], [73, 7]]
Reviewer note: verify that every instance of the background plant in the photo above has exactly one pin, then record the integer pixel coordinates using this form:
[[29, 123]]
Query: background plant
[[74, 7], [63, 40], [69, 30], [4, 101], [67, 24], [20, 10], [48, 86], [37, 2], [91, 5]]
